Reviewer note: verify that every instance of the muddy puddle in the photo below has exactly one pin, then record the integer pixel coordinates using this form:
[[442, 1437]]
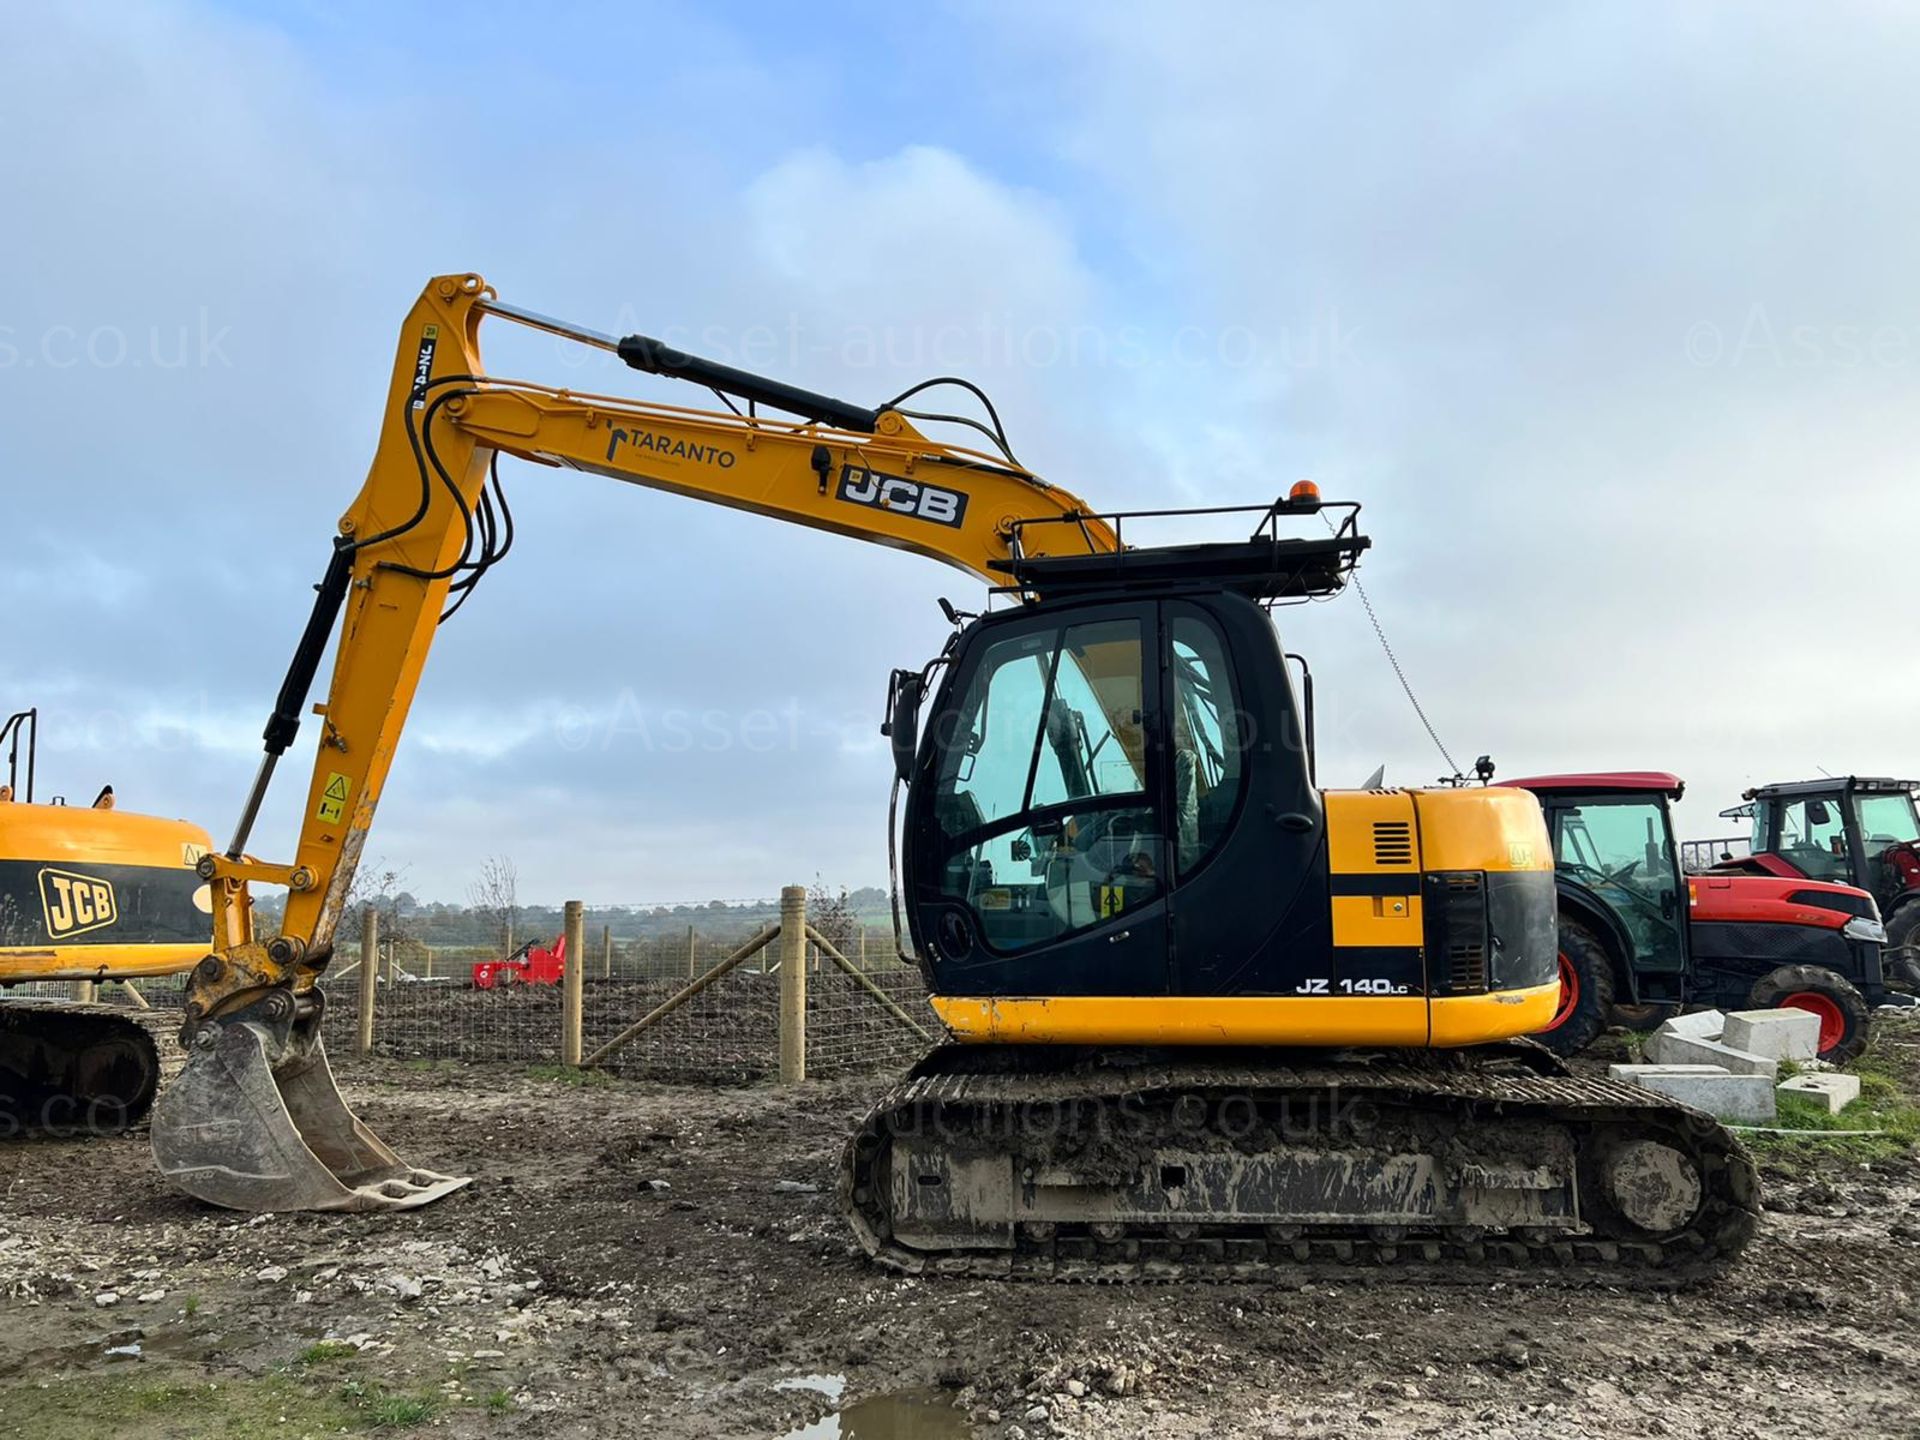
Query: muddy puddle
[[121, 1346], [895, 1415]]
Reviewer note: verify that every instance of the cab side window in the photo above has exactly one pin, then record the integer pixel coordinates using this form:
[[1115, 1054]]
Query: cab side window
[[1207, 743]]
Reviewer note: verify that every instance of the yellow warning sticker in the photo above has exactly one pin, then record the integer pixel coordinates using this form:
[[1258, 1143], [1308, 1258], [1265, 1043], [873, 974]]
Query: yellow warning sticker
[[1113, 899], [996, 899], [332, 808]]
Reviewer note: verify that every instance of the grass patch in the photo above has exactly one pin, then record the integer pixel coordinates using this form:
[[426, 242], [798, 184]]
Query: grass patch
[[322, 1351], [1883, 1105], [83, 1408], [571, 1075], [402, 1412], [378, 1408], [499, 1402]]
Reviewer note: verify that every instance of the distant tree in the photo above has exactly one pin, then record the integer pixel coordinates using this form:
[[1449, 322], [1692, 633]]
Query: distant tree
[[832, 914], [495, 898], [378, 885]]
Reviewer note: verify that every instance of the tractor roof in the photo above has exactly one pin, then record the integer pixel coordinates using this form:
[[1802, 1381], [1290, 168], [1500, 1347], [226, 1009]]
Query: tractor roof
[[1830, 785], [1608, 782]]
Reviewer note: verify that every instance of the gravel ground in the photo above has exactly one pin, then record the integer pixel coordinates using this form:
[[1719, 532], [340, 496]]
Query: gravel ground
[[642, 1259]]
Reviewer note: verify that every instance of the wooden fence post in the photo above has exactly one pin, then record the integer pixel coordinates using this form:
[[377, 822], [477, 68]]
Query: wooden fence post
[[606, 952], [369, 977], [85, 991], [573, 983], [690, 964], [793, 984]]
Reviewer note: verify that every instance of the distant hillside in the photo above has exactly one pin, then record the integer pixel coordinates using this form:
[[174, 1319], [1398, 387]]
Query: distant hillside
[[441, 925]]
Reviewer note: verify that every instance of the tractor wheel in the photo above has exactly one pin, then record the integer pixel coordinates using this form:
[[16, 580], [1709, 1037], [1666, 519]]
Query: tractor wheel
[[1586, 991], [1642, 1019], [1903, 945], [1844, 1018]]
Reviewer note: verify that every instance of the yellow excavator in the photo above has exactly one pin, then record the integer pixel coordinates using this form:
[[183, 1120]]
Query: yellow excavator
[[87, 894], [1207, 1018]]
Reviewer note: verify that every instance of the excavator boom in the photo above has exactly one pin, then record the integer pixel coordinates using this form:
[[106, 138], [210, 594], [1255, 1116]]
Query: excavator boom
[[428, 523]]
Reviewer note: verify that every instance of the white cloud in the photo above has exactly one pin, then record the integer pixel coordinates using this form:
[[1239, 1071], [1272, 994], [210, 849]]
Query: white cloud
[[188, 166]]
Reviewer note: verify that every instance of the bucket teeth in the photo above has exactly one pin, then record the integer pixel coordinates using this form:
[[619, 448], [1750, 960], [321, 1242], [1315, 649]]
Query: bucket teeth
[[239, 1131]]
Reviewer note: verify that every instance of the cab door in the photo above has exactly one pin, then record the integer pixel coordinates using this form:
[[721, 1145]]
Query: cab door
[[1252, 911], [1620, 848], [1037, 840]]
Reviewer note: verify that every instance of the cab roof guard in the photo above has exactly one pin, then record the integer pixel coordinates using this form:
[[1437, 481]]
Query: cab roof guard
[[1266, 566]]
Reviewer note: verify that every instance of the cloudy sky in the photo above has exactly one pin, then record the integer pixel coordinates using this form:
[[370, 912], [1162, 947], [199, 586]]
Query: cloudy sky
[[1609, 314]]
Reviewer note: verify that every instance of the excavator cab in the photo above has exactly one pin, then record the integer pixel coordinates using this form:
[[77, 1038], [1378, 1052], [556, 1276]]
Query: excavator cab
[[1113, 836], [1112, 794]]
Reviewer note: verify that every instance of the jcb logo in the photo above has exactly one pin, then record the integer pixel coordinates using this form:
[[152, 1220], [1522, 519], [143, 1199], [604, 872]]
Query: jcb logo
[[862, 486], [74, 904]]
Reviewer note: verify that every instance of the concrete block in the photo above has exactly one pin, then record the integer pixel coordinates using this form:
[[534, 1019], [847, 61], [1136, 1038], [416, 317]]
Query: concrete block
[[1624, 1071], [1784, 1034], [1746, 1098], [1836, 1089], [1700, 1025], [1665, 1049]]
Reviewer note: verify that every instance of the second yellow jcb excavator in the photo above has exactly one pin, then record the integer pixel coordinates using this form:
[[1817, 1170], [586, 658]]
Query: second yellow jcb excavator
[[1208, 1019], [88, 893]]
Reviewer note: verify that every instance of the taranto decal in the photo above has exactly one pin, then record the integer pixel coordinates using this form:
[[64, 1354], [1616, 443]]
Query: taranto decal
[[669, 448], [75, 903], [861, 486]]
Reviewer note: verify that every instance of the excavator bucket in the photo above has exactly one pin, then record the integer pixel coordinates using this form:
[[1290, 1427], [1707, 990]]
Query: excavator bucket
[[236, 1130]]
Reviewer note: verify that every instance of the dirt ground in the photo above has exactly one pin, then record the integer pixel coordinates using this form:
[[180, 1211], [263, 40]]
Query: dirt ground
[[637, 1259]]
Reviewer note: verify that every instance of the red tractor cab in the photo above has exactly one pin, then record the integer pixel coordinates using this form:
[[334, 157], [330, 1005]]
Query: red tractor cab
[[1853, 829], [1640, 939], [532, 964]]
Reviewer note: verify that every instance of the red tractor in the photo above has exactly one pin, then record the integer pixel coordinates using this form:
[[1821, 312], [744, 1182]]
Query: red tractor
[[532, 964], [1640, 939], [1857, 829]]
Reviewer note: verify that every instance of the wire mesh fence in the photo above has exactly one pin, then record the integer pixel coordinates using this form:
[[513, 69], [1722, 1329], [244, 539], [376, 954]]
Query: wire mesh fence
[[427, 1007]]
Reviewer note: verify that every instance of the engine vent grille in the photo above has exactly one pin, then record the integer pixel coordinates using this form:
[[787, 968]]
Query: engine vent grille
[[1392, 842], [1466, 968]]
